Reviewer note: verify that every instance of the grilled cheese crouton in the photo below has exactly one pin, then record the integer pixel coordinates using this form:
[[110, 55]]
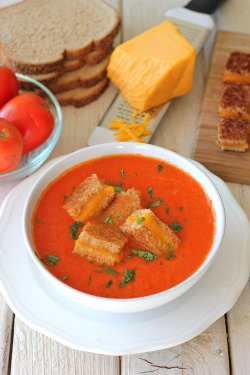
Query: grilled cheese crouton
[[233, 134], [89, 198], [149, 231], [237, 68], [235, 101], [101, 243], [122, 206]]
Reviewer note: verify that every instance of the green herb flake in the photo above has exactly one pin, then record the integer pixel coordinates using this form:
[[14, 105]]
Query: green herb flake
[[65, 196], [65, 278], [109, 270], [157, 203], [176, 226], [108, 220], [186, 220], [160, 168], [38, 221], [167, 210], [73, 229], [109, 283], [98, 271], [139, 220], [180, 208], [122, 173], [52, 260], [171, 253], [129, 275], [144, 254]]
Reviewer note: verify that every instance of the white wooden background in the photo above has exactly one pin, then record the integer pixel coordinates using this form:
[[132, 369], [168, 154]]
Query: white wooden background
[[224, 348]]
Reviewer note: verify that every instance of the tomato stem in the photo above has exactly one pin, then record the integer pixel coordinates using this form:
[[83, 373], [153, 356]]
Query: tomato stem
[[2, 135]]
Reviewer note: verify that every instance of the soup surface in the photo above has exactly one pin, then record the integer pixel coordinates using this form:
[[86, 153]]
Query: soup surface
[[173, 195]]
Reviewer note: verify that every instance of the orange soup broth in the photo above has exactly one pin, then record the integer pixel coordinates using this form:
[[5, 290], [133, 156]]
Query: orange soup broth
[[182, 200]]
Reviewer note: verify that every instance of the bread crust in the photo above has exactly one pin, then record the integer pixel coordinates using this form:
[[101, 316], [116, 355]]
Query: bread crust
[[80, 97], [37, 66], [147, 237]]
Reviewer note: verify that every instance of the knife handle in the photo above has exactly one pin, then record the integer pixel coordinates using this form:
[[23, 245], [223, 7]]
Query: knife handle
[[204, 6]]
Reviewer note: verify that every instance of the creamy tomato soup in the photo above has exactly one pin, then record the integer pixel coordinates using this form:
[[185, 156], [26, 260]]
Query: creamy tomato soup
[[173, 195]]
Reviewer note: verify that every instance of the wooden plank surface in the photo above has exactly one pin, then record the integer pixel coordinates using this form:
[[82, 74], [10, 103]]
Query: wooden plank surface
[[230, 166]]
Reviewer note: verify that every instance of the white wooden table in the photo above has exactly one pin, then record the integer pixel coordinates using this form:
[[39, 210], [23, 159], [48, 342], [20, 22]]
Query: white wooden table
[[224, 348]]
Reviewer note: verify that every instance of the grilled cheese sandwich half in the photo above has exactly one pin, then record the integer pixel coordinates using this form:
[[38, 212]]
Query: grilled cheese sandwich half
[[101, 243], [89, 198], [149, 231]]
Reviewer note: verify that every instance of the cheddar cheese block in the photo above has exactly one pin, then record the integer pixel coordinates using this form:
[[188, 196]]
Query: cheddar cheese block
[[153, 67]]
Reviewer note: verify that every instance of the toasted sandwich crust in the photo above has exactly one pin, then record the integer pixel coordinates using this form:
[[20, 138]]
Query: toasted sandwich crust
[[146, 236], [122, 206], [79, 203]]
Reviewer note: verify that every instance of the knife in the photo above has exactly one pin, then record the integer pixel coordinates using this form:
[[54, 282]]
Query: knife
[[196, 23]]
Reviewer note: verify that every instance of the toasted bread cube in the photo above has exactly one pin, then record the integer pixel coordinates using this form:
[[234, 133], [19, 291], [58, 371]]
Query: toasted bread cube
[[235, 101], [89, 198], [149, 231], [101, 243], [237, 68], [233, 134], [122, 206]]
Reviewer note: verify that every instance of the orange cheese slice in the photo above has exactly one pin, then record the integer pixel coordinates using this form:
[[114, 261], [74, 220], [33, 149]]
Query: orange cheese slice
[[153, 67], [94, 204]]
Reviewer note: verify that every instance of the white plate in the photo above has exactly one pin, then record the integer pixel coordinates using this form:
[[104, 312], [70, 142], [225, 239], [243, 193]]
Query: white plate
[[47, 310]]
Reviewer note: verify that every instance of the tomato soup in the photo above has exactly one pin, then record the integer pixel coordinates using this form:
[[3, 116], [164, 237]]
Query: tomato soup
[[173, 195]]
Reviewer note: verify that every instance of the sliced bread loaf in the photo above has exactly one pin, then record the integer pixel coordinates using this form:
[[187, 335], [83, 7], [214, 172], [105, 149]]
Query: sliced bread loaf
[[81, 96], [46, 33], [86, 76]]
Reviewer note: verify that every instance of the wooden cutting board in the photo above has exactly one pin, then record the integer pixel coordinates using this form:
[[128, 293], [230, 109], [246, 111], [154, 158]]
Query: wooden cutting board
[[230, 166]]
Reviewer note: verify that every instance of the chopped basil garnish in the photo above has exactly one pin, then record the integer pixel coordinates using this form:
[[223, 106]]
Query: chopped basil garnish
[[122, 173], [108, 220], [109, 283], [176, 226], [171, 253], [139, 220], [73, 229], [38, 221], [65, 278], [98, 271], [129, 275], [160, 168], [52, 260], [144, 254], [109, 270]]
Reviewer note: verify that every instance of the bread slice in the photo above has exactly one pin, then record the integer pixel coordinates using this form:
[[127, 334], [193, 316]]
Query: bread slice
[[89, 198], [86, 76], [82, 96], [235, 101], [237, 68], [122, 206], [101, 243], [149, 231], [92, 58], [233, 134], [46, 33]]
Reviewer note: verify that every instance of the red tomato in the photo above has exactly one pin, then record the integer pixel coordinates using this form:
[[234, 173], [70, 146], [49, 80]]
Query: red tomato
[[31, 115], [8, 85], [11, 146]]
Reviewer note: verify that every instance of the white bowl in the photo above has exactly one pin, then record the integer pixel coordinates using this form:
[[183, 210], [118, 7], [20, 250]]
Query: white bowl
[[130, 304]]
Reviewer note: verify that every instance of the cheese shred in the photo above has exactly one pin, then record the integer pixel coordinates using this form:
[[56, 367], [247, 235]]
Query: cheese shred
[[133, 130]]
